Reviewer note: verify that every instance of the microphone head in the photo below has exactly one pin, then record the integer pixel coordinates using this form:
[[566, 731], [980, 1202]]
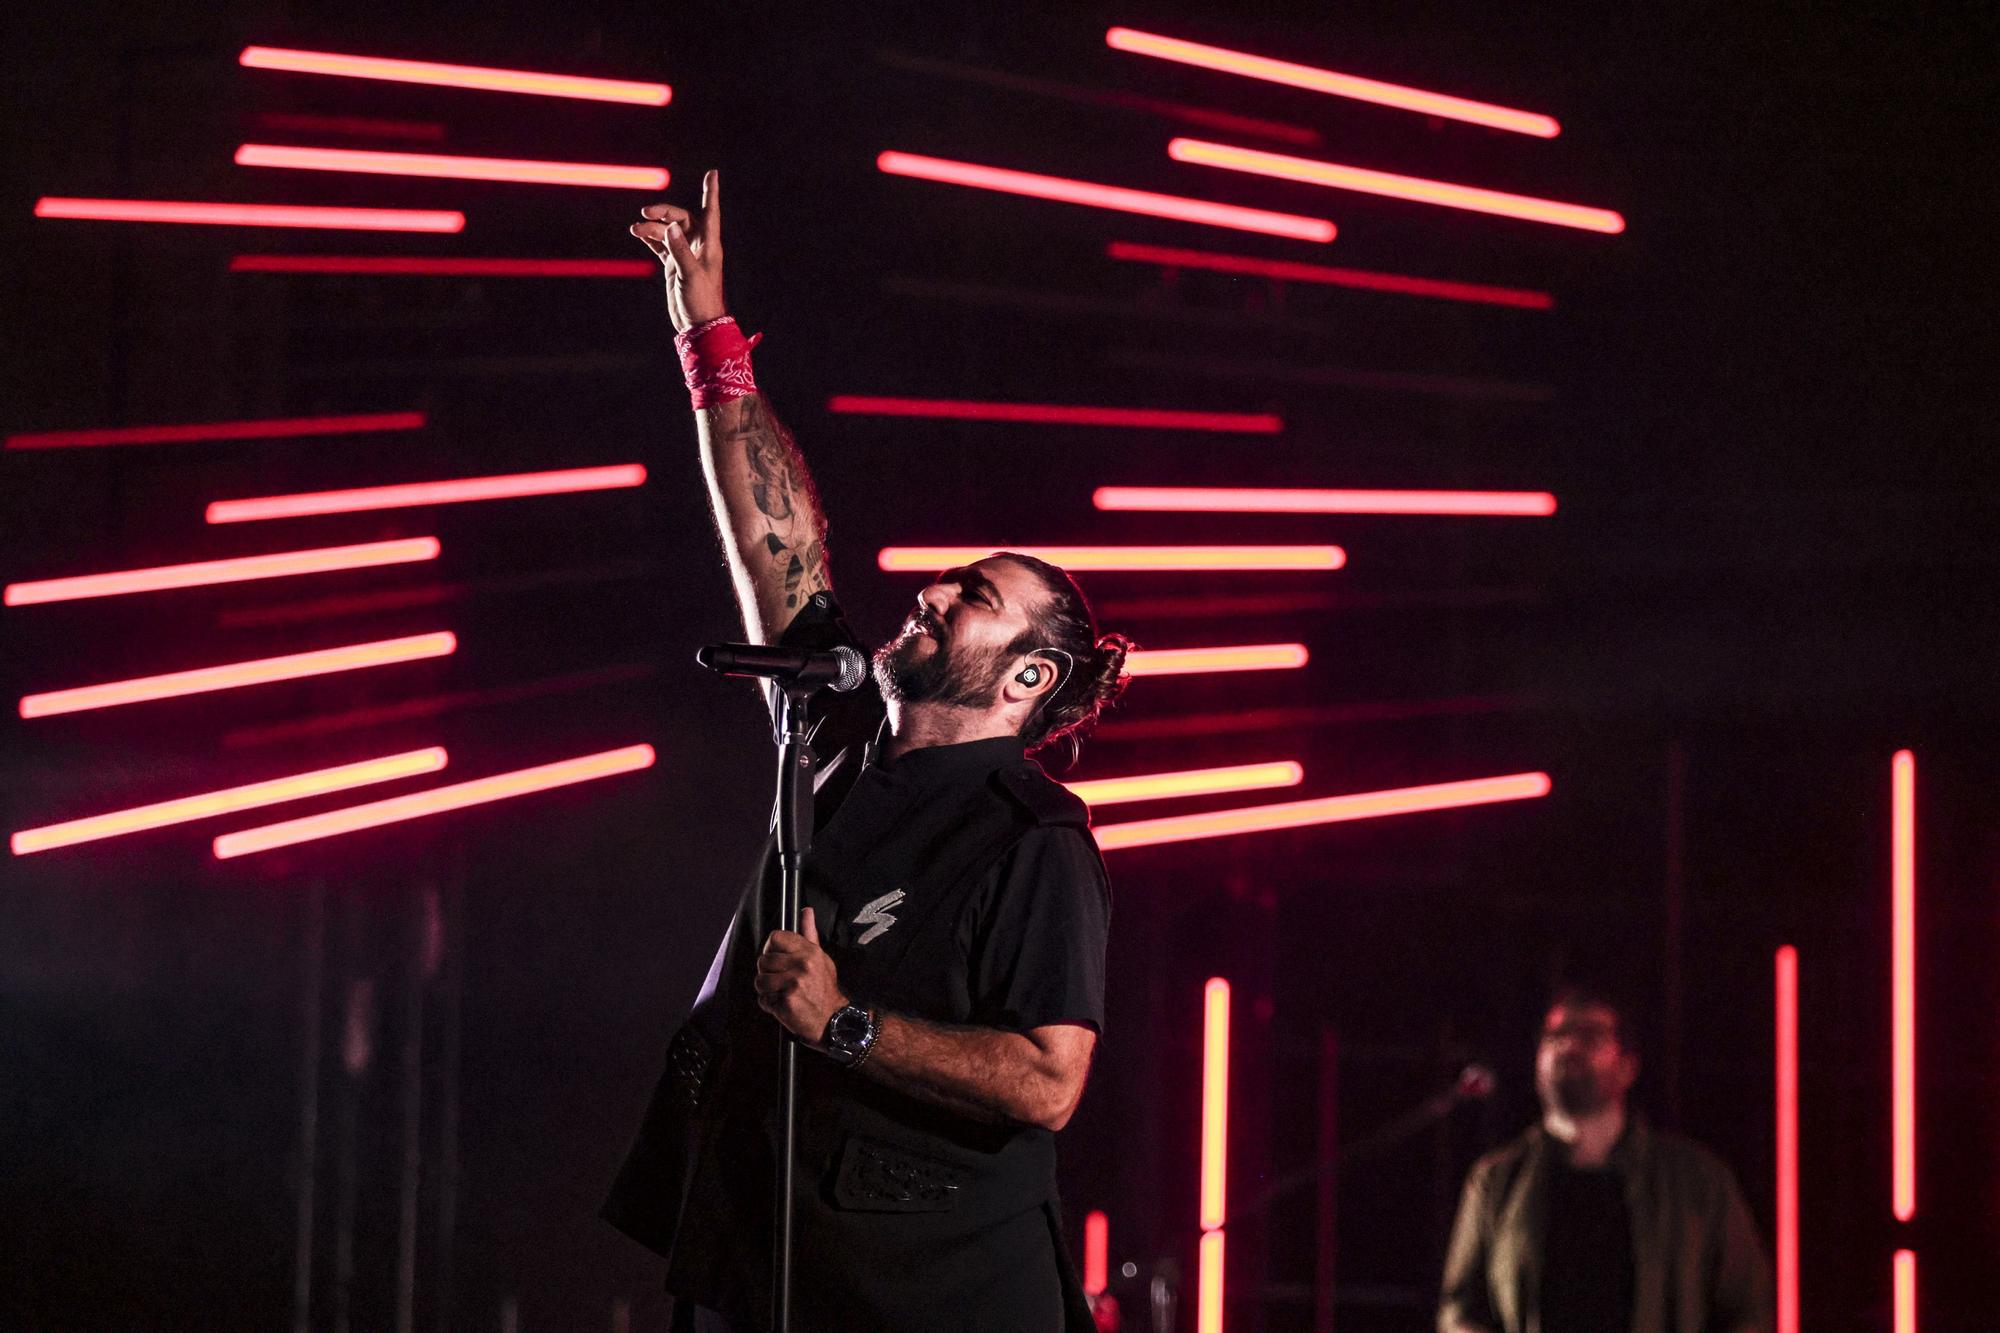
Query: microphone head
[[853, 669], [1476, 1082]]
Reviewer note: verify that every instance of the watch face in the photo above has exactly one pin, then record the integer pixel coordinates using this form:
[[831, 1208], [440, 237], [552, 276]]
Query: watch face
[[850, 1025]]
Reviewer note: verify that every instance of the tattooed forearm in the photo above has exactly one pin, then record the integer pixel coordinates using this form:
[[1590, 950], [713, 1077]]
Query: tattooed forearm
[[772, 523]]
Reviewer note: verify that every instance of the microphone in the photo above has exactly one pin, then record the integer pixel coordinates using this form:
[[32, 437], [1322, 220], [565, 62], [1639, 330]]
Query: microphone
[[842, 668]]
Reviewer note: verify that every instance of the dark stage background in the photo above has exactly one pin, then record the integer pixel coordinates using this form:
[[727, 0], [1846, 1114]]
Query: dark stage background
[[1762, 408]]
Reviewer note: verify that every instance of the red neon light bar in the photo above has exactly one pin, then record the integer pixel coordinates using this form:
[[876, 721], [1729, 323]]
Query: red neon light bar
[[227, 801], [1214, 1151], [929, 559], [251, 215], [1905, 1317], [1324, 810], [462, 490], [262, 671], [1285, 270], [241, 569], [1189, 782], [437, 800], [1327, 81], [1192, 661], [456, 76], [1233, 500], [1336, 176], [1096, 1253], [1903, 983], [269, 428], [1787, 1069], [1113, 197], [1052, 414], [375, 162], [446, 267]]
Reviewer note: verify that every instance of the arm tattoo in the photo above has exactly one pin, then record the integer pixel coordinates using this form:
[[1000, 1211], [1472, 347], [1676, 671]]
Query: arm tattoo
[[781, 488]]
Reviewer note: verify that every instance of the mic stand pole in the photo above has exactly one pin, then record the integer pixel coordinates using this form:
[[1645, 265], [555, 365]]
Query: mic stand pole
[[795, 833]]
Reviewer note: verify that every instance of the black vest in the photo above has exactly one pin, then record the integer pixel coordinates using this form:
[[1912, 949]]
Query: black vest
[[905, 1211]]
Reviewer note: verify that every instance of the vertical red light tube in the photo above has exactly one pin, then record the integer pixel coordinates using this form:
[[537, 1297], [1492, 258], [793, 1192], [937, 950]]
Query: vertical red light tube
[[1214, 1152], [1787, 1063], [1096, 1253], [1903, 984], [1906, 1292]]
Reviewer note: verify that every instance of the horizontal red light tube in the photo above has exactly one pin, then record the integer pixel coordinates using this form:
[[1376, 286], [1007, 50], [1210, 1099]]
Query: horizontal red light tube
[[463, 490], [227, 801], [457, 796], [1285, 270], [1330, 82], [262, 671], [1053, 414], [421, 265], [1273, 500], [1324, 810], [929, 559], [1334, 175], [442, 221], [1189, 782], [1096, 1253], [241, 569], [194, 432], [374, 162], [456, 76], [1200, 661], [1112, 197]]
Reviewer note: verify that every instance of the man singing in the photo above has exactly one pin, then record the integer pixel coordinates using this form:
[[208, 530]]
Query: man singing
[[948, 983]]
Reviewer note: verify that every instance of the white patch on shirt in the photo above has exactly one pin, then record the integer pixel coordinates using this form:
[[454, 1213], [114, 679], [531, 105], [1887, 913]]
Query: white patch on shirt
[[876, 916]]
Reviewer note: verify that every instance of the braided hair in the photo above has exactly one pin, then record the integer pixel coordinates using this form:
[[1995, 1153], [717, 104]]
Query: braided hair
[[1093, 665]]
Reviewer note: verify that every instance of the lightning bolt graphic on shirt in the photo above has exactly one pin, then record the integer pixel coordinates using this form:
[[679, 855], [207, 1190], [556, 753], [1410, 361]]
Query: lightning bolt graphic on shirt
[[876, 916]]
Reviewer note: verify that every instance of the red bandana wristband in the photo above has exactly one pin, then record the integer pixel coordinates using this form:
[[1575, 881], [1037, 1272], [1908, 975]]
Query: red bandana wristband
[[715, 361]]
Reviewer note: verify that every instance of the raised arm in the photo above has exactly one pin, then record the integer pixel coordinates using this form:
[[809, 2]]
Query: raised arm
[[773, 530]]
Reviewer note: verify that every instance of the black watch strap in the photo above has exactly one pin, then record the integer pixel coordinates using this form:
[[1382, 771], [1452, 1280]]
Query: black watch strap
[[850, 1035]]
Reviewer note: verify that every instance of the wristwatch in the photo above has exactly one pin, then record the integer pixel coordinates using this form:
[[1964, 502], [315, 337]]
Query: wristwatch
[[850, 1035]]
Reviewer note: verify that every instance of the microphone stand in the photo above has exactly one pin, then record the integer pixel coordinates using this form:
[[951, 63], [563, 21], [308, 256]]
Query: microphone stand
[[795, 834]]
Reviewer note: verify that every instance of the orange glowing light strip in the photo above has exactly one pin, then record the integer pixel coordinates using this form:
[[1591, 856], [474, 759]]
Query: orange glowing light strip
[[1337, 85], [228, 801], [241, 569], [929, 559], [509, 486], [1787, 1071], [1903, 983], [1273, 500], [1361, 279], [1096, 1253], [377, 163], [437, 800], [1189, 782], [1214, 1102], [1324, 810], [1336, 176], [383, 652], [1190, 661], [251, 215], [1113, 197], [456, 76], [1905, 1317], [1208, 1297]]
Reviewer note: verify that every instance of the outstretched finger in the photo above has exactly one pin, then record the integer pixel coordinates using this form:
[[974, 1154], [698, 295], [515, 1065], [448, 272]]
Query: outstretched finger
[[711, 208]]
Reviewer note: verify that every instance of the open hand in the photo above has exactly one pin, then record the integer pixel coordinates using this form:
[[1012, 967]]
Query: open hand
[[797, 983], [690, 248]]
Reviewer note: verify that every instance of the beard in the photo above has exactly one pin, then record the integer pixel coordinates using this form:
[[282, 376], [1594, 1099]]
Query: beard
[[944, 675], [1577, 1092]]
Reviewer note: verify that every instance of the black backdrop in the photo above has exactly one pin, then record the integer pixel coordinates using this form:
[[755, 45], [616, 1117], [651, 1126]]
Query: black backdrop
[[1760, 406]]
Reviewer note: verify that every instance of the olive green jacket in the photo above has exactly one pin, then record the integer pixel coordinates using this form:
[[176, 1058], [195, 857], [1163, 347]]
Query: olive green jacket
[[1697, 1263]]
